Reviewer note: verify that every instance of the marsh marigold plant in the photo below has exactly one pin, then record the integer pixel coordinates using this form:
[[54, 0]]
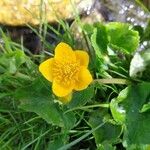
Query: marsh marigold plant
[[67, 71]]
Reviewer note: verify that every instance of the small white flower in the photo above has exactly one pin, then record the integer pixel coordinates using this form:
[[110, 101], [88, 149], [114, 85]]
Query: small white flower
[[137, 65]]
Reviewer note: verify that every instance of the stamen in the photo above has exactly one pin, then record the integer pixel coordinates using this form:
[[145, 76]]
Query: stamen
[[65, 72]]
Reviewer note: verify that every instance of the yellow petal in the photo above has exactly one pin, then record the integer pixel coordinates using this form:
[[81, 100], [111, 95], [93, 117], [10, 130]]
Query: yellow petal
[[84, 79], [60, 90], [64, 52], [66, 99], [46, 69], [82, 57]]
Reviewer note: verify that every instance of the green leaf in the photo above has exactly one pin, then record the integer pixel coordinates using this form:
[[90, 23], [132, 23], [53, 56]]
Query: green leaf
[[82, 97], [140, 31], [10, 62], [99, 39], [122, 37], [107, 133], [38, 98], [69, 120], [88, 28], [139, 147], [117, 36], [136, 124], [58, 142], [118, 112], [146, 107], [106, 146]]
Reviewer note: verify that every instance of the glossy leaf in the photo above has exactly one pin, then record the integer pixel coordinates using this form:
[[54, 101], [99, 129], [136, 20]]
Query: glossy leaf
[[122, 37], [107, 133], [136, 123], [118, 111], [99, 39], [38, 98], [146, 107], [106, 146], [80, 98], [10, 62]]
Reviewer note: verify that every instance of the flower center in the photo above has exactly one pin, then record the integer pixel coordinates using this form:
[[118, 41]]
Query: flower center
[[65, 72]]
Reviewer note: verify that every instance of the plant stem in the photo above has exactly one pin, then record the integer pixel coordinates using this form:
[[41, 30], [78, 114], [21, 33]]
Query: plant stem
[[112, 81], [87, 107]]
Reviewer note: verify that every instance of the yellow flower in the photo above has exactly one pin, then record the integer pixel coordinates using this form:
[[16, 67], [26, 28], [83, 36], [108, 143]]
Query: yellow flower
[[67, 70]]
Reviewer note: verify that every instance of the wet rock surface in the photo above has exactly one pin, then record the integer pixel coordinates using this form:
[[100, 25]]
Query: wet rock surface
[[33, 12]]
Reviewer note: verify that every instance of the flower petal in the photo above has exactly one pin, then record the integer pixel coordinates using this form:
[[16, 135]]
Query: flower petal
[[66, 99], [84, 79], [82, 57], [64, 52], [46, 69], [60, 90]]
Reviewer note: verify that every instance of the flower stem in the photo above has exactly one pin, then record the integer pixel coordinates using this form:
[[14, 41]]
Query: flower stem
[[87, 107], [112, 81]]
